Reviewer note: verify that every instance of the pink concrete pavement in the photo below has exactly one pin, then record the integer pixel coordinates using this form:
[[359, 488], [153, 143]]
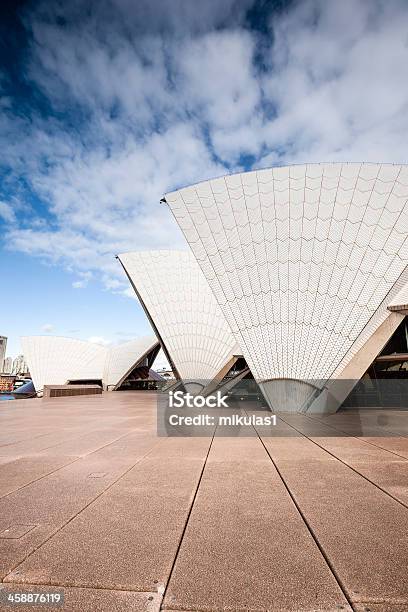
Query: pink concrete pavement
[[95, 505]]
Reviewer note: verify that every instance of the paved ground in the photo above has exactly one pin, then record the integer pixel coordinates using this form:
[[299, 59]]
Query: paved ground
[[94, 505]]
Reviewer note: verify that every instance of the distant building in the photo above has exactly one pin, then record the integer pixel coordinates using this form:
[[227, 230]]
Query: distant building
[[165, 373], [20, 365], [7, 383], [3, 344], [7, 365]]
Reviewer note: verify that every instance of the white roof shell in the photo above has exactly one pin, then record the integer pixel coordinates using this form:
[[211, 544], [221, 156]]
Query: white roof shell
[[303, 260], [54, 360], [400, 301], [183, 309], [121, 359]]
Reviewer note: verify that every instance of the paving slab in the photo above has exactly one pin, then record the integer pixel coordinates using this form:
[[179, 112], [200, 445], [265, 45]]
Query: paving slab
[[86, 443], [351, 427], [52, 501], [94, 524], [362, 531], [324, 427], [19, 472], [4, 460], [10, 437], [380, 607], [397, 445], [368, 422], [246, 546], [383, 468], [184, 448], [135, 444], [39, 443], [83, 600], [137, 526]]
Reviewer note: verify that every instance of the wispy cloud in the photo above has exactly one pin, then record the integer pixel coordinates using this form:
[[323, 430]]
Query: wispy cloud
[[140, 98], [84, 278], [7, 213], [48, 328]]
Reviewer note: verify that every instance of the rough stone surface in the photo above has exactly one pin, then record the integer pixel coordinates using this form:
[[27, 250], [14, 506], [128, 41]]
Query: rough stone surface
[[93, 502], [361, 529], [85, 600], [245, 544]]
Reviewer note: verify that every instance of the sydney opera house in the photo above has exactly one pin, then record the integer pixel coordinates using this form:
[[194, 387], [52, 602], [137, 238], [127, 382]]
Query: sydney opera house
[[295, 276], [55, 360]]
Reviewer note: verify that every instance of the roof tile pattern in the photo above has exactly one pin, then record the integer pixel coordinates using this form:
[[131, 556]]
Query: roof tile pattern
[[54, 360], [121, 359], [300, 258], [184, 310]]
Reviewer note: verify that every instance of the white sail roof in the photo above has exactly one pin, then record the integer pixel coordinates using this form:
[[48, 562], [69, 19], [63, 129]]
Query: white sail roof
[[302, 260], [121, 359], [400, 300], [183, 309], [55, 360]]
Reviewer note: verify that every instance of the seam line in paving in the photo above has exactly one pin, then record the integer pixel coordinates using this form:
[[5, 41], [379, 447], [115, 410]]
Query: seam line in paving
[[249, 609], [377, 486], [78, 458], [71, 437], [74, 586], [75, 437], [69, 585], [309, 528], [360, 439], [79, 512], [187, 521], [39, 478], [24, 440]]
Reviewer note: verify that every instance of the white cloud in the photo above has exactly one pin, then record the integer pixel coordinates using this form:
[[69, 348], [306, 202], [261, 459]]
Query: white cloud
[[218, 78], [79, 284], [107, 205], [83, 281], [337, 82], [130, 293], [7, 213], [160, 95], [48, 328]]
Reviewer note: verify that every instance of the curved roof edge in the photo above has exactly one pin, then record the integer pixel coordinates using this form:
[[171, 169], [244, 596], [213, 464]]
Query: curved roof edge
[[123, 358], [58, 359], [182, 310], [302, 258]]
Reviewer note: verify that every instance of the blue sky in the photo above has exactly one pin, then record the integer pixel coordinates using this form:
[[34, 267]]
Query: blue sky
[[106, 105]]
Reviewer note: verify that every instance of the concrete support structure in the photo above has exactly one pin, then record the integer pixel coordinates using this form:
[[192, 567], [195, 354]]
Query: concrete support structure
[[337, 389]]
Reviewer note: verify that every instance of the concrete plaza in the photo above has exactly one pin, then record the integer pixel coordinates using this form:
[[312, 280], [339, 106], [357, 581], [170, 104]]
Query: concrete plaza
[[94, 505]]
